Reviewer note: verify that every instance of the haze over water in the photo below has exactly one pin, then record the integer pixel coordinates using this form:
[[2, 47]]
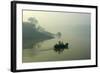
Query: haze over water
[[74, 29]]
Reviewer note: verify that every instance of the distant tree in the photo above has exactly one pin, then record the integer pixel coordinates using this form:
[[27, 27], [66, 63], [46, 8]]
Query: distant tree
[[59, 34], [33, 20]]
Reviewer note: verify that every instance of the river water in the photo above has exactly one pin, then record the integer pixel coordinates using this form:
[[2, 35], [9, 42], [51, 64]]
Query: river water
[[43, 51]]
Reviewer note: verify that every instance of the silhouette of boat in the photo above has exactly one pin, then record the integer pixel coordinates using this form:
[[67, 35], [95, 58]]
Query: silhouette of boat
[[61, 45]]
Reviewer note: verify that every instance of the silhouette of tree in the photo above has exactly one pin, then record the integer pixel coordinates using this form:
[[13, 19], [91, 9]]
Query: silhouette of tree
[[33, 20], [59, 34]]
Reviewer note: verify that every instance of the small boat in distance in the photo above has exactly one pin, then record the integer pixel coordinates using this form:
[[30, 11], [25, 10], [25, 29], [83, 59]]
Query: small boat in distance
[[60, 47]]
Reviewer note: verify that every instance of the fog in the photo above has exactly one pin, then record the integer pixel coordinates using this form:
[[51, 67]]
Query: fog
[[72, 28]]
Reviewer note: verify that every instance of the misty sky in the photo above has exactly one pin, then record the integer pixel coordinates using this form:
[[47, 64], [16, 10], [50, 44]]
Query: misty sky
[[55, 21], [75, 28]]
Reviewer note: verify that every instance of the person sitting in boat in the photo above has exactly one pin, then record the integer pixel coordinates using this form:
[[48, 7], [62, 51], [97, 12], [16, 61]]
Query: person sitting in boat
[[61, 43]]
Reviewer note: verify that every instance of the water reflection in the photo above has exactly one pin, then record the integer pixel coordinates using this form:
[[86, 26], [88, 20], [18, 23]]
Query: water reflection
[[42, 46], [54, 50], [59, 47]]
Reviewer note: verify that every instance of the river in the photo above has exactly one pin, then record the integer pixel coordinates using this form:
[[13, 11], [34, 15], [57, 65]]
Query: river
[[43, 51]]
